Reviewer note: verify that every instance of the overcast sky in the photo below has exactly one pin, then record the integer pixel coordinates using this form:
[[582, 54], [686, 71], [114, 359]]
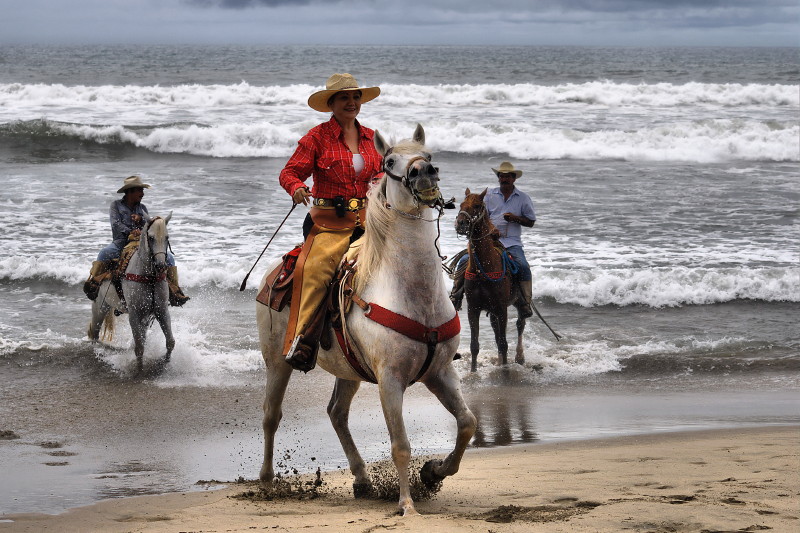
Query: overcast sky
[[536, 22]]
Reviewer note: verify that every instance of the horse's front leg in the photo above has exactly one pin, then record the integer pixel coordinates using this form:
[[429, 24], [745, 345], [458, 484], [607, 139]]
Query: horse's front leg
[[278, 374], [474, 318], [164, 320], [339, 412], [139, 331], [391, 392], [520, 356], [499, 322], [446, 387]]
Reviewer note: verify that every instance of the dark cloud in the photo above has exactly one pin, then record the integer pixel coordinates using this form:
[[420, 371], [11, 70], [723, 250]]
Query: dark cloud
[[540, 22], [242, 4]]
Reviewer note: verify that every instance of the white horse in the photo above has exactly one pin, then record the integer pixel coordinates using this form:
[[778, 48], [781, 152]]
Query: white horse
[[399, 269], [145, 289]]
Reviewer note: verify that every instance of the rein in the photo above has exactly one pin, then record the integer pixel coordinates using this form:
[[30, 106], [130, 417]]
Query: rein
[[439, 204]]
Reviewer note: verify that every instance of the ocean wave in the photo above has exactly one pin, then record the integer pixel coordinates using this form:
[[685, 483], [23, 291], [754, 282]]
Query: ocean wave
[[602, 92], [652, 287], [667, 287], [704, 141], [577, 357]]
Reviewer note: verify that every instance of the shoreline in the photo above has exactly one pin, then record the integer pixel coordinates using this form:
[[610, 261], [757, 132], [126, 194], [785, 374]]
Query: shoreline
[[717, 480]]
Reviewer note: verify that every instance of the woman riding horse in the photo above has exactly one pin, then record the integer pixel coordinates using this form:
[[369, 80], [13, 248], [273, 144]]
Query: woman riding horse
[[400, 328], [340, 154]]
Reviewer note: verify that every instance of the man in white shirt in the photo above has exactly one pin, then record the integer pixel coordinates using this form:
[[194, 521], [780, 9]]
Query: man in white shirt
[[509, 209]]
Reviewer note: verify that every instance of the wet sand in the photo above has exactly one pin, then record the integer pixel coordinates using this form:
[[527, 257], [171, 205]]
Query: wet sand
[[86, 436], [722, 480]]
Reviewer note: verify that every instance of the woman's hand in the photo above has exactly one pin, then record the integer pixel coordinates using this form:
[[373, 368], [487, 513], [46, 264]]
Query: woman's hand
[[301, 196]]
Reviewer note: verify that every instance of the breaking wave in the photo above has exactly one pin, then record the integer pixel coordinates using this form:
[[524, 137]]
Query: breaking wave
[[704, 141]]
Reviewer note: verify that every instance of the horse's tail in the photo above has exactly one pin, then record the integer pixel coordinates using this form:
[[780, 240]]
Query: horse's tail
[[109, 323]]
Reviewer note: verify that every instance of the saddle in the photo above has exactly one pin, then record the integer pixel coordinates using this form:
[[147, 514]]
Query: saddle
[[114, 271], [277, 294], [277, 291]]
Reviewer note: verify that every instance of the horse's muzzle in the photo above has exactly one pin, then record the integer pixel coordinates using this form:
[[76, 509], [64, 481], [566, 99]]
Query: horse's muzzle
[[425, 179]]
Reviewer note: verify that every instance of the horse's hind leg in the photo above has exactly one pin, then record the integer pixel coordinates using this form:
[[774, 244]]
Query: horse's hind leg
[[100, 310], [447, 388], [339, 413], [278, 374], [96, 322], [391, 392], [520, 356]]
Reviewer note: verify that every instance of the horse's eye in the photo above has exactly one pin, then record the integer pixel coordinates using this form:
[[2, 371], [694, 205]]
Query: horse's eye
[[390, 163]]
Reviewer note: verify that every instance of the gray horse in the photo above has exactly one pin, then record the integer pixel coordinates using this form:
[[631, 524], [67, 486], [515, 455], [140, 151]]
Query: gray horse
[[145, 289]]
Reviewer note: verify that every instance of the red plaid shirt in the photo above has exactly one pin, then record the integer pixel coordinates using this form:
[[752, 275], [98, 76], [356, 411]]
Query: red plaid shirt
[[323, 153]]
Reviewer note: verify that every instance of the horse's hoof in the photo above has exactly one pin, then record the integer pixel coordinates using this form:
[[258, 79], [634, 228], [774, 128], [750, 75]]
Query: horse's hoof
[[428, 477], [362, 490]]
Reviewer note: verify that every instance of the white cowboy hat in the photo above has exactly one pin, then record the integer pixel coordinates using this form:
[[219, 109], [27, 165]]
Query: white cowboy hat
[[507, 168], [336, 83], [133, 182]]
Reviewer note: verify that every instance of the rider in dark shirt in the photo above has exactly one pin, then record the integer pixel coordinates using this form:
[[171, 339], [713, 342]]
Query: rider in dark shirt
[[127, 216]]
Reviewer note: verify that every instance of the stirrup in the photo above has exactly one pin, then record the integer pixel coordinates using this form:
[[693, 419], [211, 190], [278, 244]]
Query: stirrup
[[301, 356]]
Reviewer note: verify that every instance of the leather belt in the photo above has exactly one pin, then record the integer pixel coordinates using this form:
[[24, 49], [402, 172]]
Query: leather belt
[[353, 204]]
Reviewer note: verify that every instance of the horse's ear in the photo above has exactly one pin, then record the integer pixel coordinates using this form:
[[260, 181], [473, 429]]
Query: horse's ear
[[419, 135], [483, 194], [380, 144], [166, 218], [466, 193], [147, 220]]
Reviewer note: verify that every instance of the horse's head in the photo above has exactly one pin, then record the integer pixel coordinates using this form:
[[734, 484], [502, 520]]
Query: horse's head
[[413, 180], [471, 213], [155, 241]]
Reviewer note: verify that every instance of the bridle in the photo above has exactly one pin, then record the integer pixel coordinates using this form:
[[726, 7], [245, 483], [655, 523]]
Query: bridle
[[405, 180], [157, 276], [410, 173], [473, 221]]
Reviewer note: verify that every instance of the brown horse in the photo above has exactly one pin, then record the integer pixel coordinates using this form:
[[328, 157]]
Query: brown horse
[[488, 281]]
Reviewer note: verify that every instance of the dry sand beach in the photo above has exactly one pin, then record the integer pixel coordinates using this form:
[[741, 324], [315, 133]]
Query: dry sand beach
[[705, 481]]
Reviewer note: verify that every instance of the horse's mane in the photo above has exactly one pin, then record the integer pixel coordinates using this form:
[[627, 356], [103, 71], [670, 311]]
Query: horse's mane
[[379, 222]]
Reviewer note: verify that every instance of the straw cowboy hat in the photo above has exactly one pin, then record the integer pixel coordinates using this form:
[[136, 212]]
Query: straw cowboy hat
[[133, 182], [507, 168], [336, 83]]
